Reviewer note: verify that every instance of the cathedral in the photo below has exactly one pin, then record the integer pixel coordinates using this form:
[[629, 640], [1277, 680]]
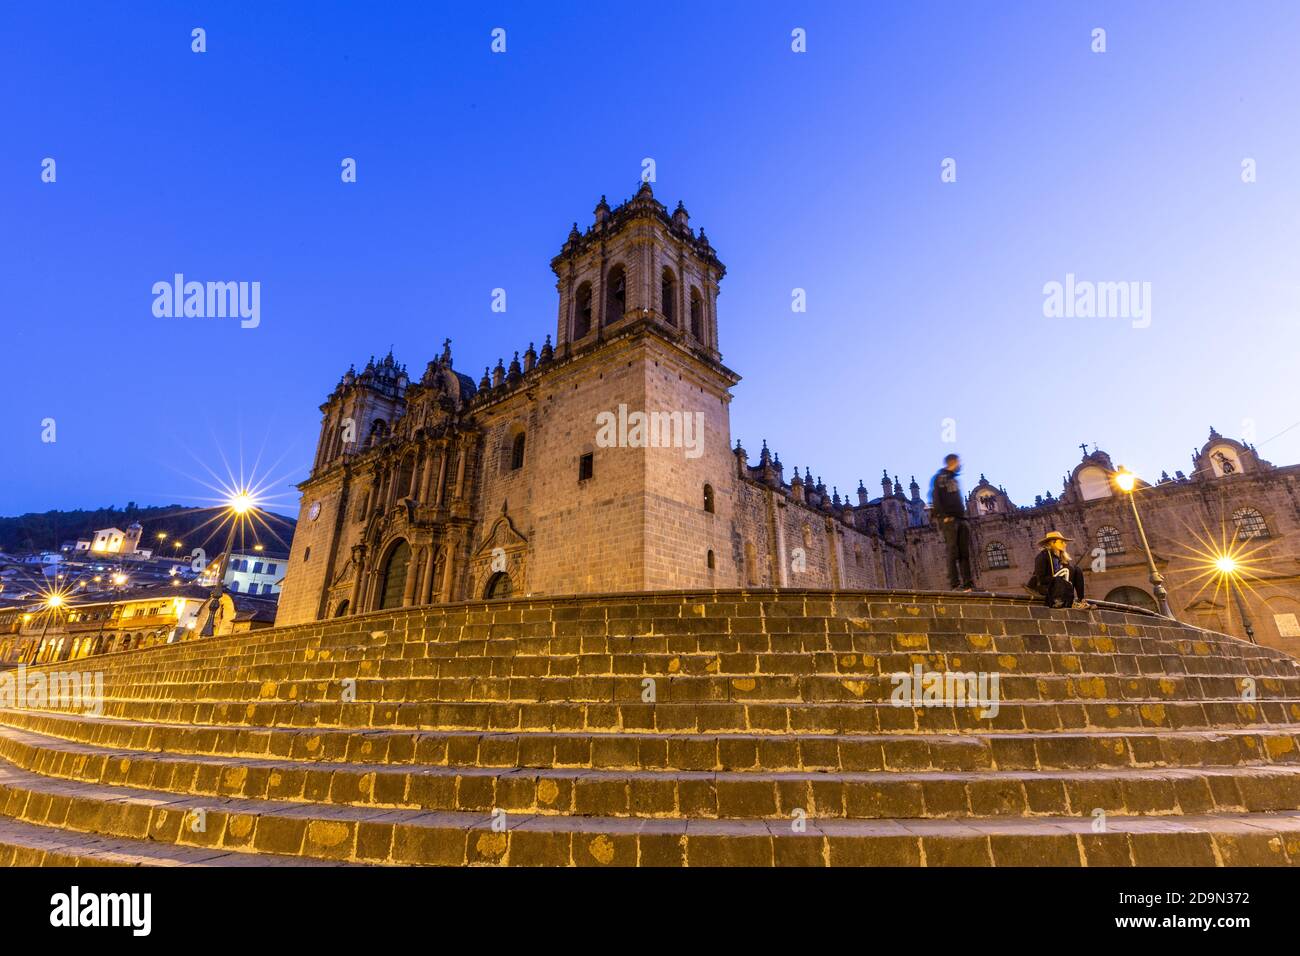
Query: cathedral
[[603, 462]]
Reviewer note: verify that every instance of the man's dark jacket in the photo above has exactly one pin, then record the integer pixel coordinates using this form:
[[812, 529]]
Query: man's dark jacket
[[945, 496]]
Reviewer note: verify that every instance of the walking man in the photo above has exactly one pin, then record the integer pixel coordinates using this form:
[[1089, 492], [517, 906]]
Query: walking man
[[949, 511]]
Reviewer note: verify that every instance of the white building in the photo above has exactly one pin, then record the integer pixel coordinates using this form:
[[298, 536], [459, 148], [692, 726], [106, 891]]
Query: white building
[[252, 572], [117, 541]]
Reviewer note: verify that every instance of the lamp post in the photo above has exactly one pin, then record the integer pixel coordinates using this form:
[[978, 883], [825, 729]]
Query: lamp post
[[1226, 565], [239, 505], [52, 605], [1127, 482]]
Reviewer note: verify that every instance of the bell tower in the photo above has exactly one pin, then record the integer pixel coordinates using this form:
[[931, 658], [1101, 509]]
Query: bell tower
[[638, 264]]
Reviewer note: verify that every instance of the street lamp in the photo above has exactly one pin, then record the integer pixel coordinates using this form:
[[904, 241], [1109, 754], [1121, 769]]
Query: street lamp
[[52, 604], [239, 505], [1229, 571], [1127, 482]]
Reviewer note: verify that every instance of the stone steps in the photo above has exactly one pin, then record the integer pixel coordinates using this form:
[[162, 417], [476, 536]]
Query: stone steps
[[445, 644], [700, 663], [1057, 750], [655, 793], [856, 717], [24, 844], [326, 832], [1119, 739], [918, 618], [669, 689]]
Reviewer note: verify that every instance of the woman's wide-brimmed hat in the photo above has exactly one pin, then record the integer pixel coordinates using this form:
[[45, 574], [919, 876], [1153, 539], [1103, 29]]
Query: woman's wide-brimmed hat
[[1052, 536]]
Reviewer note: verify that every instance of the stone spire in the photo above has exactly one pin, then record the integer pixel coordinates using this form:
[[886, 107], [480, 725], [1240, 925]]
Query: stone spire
[[681, 217]]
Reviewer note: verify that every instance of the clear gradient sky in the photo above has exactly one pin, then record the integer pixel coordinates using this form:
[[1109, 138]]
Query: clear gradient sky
[[818, 170]]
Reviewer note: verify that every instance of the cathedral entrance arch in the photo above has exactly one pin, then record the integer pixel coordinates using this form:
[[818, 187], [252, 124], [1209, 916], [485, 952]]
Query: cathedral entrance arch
[[498, 586], [396, 566], [1134, 596]]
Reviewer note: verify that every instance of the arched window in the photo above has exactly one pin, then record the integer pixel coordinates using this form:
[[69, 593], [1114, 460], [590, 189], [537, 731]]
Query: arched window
[[342, 609], [668, 295], [517, 453], [709, 559], [1132, 596], [697, 314], [498, 586], [708, 498], [1109, 541], [1250, 523], [615, 295], [378, 431], [395, 568], [996, 555], [582, 311]]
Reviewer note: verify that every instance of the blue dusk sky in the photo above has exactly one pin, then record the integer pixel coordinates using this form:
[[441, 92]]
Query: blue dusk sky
[[818, 170]]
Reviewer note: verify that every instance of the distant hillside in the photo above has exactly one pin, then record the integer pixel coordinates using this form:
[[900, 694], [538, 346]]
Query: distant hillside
[[193, 527]]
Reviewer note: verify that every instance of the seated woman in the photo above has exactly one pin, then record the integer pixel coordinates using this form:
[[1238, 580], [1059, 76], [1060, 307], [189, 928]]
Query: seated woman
[[1056, 578]]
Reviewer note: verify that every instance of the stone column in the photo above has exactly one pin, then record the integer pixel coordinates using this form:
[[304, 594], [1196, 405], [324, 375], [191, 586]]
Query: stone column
[[426, 589], [412, 572], [426, 492], [443, 452], [462, 454], [368, 589], [778, 527], [833, 555], [417, 474], [421, 584], [358, 576], [449, 572]]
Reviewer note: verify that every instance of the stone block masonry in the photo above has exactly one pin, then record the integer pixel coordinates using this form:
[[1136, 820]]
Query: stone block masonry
[[672, 728]]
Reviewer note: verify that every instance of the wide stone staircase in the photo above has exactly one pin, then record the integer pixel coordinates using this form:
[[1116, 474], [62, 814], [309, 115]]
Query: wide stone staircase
[[669, 729]]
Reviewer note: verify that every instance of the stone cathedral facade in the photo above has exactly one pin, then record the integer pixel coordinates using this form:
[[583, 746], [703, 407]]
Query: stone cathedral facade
[[604, 463], [433, 488]]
